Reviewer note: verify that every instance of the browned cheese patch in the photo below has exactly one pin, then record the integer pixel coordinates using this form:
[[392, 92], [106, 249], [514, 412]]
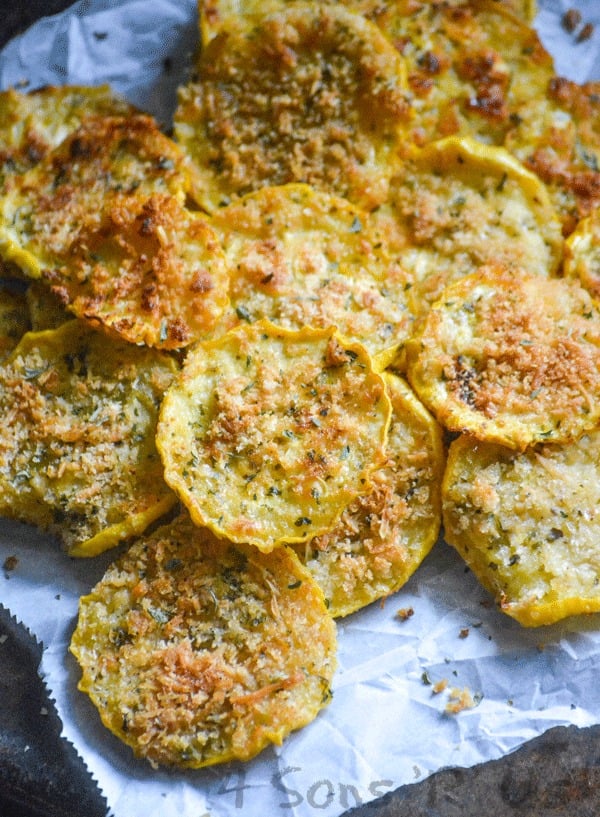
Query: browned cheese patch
[[558, 137]]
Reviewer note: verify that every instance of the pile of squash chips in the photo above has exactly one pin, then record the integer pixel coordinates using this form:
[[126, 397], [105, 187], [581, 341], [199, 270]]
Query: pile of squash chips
[[349, 302]]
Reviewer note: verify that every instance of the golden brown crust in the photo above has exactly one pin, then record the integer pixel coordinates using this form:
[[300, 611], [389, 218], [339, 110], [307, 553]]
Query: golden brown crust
[[294, 100], [268, 434], [510, 358], [196, 651], [383, 537], [78, 457], [101, 221]]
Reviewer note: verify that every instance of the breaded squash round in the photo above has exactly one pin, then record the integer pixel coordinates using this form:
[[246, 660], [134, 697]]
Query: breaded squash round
[[46, 207], [458, 204], [582, 254], [214, 15], [383, 537], [298, 256], [101, 221], [268, 434], [311, 94], [33, 123], [528, 524], [510, 358], [471, 65], [196, 651], [77, 453], [557, 135]]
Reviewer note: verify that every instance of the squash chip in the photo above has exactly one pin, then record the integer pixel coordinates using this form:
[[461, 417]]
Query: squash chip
[[101, 221], [557, 136], [300, 257], [510, 358], [78, 457], [471, 65], [214, 15], [35, 122], [268, 434], [459, 204], [383, 537], [528, 524], [46, 207], [196, 651], [582, 254], [294, 99]]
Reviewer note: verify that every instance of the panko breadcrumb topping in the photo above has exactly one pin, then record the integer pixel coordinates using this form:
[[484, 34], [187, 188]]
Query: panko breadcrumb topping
[[78, 456], [197, 651], [511, 358], [268, 434], [295, 99]]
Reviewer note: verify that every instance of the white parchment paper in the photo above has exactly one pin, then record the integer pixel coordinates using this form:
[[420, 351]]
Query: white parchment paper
[[386, 726]]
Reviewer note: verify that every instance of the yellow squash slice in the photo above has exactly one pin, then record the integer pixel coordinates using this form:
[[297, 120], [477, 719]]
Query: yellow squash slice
[[557, 136], [214, 15], [296, 99], [459, 204], [78, 457], [101, 221], [196, 651], [528, 524], [301, 257], [470, 65], [510, 358], [33, 123], [582, 254], [268, 434], [383, 537]]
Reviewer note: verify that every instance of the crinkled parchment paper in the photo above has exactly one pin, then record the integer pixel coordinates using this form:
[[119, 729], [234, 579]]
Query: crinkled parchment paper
[[386, 725]]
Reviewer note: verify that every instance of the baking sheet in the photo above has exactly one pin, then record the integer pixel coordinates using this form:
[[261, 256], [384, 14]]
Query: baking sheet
[[386, 726]]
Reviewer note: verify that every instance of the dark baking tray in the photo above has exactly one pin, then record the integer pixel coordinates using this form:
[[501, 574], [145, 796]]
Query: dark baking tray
[[41, 775]]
